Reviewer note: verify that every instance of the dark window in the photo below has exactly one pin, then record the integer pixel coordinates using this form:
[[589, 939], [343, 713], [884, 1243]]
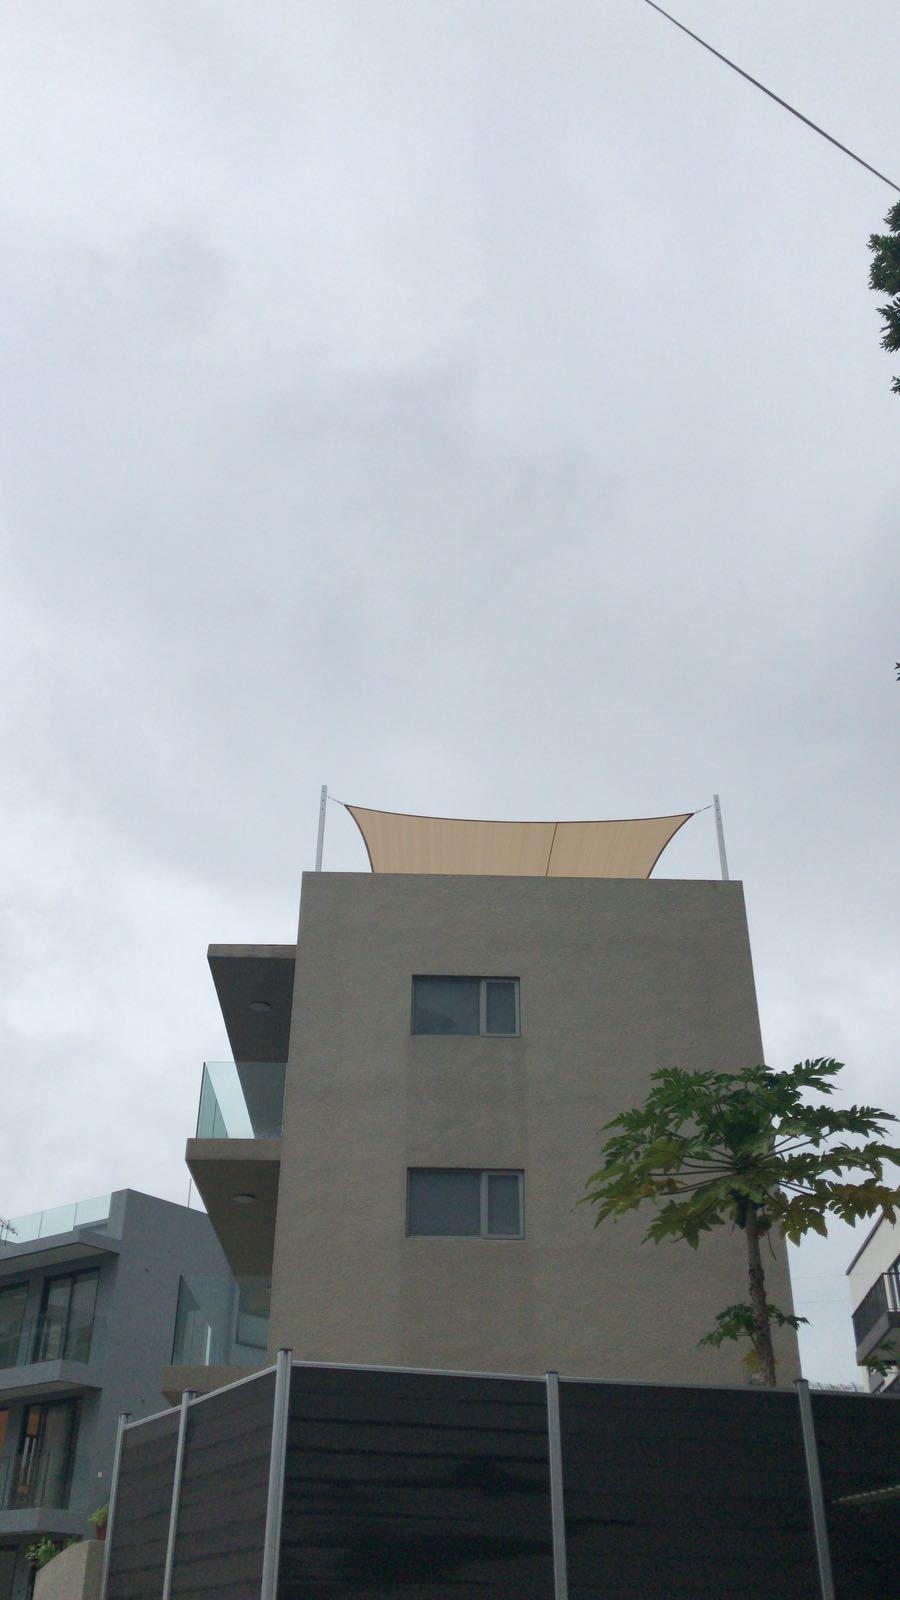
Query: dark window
[[12, 1310], [464, 1202], [466, 1005], [66, 1321]]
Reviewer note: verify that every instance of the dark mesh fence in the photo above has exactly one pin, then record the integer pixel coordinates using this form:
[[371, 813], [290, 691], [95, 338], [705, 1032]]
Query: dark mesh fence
[[222, 1514], [138, 1553], [685, 1494], [416, 1486]]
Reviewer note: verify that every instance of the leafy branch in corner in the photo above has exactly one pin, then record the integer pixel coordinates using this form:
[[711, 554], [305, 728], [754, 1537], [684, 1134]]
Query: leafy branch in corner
[[884, 278]]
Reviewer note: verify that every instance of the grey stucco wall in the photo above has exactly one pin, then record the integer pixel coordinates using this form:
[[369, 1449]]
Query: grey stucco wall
[[161, 1242], [618, 978]]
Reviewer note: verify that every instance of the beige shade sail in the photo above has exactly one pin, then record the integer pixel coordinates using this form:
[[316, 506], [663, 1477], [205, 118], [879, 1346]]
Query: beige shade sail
[[630, 848]]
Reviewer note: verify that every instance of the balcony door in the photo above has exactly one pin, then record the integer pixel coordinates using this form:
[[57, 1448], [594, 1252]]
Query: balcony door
[[43, 1465], [67, 1318]]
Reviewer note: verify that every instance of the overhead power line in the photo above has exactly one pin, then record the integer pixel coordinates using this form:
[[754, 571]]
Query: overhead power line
[[772, 96]]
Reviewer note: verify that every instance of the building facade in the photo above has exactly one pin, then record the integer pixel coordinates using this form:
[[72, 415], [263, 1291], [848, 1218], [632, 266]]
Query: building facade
[[89, 1295], [874, 1279], [417, 1100]]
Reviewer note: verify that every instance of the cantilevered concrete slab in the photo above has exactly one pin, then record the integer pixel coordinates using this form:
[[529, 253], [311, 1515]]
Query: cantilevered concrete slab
[[255, 986], [237, 1180]]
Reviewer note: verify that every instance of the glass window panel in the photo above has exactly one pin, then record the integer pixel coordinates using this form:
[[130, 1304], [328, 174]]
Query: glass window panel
[[81, 1317], [95, 1210], [60, 1220], [443, 1202], [12, 1310], [446, 1005], [500, 1005], [504, 1210], [21, 1229], [51, 1328]]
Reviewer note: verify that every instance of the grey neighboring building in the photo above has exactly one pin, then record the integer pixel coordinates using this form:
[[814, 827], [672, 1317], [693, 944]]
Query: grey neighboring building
[[89, 1295], [417, 1099]]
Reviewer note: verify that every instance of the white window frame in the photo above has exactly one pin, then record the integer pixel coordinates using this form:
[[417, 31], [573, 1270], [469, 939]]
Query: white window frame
[[484, 1173], [472, 977]]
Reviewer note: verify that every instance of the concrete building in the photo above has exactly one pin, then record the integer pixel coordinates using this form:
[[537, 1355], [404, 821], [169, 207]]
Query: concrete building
[[416, 1101], [88, 1300], [874, 1277]]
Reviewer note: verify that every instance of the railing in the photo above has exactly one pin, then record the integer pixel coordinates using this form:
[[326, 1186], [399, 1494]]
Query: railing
[[48, 1338], [884, 1296], [59, 1219], [243, 1101], [222, 1321]]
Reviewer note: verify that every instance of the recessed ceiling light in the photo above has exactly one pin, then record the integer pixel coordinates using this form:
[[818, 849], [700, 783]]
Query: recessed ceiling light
[[244, 1199], [260, 1005]]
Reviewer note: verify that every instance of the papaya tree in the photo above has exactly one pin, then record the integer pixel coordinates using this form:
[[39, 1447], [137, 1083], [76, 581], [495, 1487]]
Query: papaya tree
[[747, 1150]]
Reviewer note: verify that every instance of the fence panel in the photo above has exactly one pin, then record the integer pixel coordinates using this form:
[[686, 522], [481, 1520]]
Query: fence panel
[[685, 1494], [416, 1486], [858, 1440], [138, 1554], [222, 1514]]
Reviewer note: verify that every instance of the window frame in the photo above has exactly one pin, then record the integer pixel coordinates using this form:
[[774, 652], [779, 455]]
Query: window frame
[[484, 1173], [482, 981]]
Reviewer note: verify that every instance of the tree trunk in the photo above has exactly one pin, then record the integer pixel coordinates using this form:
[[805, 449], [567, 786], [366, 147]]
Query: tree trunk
[[762, 1327]]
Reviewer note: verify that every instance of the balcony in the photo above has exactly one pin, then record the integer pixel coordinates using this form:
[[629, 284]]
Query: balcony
[[221, 1328], [876, 1320], [76, 1232], [46, 1358], [59, 1219], [241, 1100], [43, 1482], [235, 1158]]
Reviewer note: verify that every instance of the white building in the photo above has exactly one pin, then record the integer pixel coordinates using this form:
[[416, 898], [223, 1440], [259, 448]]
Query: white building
[[874, 1275]]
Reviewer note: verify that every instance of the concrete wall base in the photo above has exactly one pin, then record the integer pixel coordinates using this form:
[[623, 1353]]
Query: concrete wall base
[[72, 1575]]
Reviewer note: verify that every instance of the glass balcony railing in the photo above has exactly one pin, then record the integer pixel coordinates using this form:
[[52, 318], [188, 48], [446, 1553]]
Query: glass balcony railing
[[222, 1321], [59, 1219], [42, 1480], [48, 1338], [241, 1101]]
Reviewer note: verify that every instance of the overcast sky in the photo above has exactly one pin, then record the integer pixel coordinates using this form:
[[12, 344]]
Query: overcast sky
[[476, 405]]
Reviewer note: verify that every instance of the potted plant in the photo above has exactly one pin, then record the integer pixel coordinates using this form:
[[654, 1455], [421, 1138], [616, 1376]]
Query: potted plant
[[42, 1551], [99, 1518]]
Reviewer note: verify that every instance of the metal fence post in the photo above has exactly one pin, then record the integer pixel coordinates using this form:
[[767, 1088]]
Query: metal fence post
[[124, 1418], [557, 1505], [275, 1502], [816, 1497], [186, 1398]]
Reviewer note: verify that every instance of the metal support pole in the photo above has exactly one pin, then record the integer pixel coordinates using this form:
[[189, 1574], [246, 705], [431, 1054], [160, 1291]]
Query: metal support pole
[[268, 1588], [320, 842], [186, 1398], [816, 1497], [557, 1505], [720, 835], [124, 1417]]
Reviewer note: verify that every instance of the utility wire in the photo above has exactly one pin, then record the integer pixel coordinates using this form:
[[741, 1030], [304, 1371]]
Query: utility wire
[[772, 96]]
